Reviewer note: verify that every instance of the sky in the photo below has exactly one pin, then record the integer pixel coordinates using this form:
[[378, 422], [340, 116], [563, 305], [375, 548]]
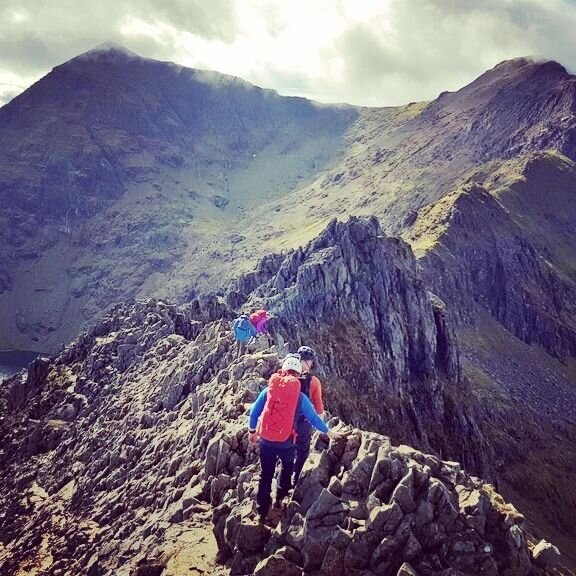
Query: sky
[[364, 52]]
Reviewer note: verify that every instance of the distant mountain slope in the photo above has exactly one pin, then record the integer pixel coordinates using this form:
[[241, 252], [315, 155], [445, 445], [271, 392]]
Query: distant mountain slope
[[401, 159], [113, 161], [127, 176]]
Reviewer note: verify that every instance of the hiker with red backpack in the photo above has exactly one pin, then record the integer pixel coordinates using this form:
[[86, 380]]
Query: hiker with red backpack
[[279, 405], [311, 387]]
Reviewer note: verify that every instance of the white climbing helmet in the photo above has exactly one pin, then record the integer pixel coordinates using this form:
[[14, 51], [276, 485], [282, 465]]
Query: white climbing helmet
[[292, 362]]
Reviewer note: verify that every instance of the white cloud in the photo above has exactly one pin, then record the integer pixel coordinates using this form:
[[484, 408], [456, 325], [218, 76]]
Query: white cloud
[[372, 52], [12, 84]]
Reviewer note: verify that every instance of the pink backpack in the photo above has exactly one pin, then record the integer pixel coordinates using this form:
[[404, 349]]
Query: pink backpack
[[258, 319]]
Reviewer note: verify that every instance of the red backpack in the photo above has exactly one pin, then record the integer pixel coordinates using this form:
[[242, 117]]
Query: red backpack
[[282, 398]]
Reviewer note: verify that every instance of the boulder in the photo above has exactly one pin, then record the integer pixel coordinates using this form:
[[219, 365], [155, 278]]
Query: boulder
[[546, 555]]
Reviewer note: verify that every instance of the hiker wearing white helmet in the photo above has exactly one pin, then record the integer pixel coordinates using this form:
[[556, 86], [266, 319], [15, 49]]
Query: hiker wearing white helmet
[[292, 364], [272, 421]]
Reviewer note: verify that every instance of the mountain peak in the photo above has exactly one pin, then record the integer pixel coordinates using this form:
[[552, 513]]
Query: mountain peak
[[107, 52], [531, 65], [525, 75], [110, 46]]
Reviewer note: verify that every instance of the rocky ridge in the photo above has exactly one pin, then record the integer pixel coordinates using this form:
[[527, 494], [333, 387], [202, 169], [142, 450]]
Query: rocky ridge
[[366, 507], [359, 296], [402, 159], [122, 460], [118, 449], [111, 470], [430, 395], [506, 273]]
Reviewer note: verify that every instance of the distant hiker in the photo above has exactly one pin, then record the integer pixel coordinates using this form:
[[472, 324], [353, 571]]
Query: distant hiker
[[259, 320], [243, 331], [279, 405], [311, 387]]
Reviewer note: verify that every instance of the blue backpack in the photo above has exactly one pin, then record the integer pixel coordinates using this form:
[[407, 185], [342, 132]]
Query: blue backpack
[[243, 329]]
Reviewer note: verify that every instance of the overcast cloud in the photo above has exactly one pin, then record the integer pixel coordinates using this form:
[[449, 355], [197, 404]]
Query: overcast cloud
[[370, 52]]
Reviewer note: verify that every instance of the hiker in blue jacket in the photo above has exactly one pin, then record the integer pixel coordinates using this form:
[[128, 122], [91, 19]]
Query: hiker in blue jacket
[[279, 404]]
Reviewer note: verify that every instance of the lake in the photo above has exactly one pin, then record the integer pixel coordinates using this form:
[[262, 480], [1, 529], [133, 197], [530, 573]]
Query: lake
[[11, 361]]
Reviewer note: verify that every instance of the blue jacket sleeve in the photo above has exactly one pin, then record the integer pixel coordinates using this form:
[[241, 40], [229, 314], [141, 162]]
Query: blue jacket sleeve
[[308, 411], [257, 408]]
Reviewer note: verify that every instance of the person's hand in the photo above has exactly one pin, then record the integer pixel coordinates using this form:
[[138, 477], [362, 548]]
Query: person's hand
[[337, 432], [253, 438], [333, 422]]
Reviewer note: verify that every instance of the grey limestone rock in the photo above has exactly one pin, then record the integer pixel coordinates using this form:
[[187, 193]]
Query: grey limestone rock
[[277, 565]]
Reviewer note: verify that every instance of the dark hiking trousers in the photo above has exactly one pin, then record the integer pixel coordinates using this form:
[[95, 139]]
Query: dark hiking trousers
[[303, 438], [269, 456]]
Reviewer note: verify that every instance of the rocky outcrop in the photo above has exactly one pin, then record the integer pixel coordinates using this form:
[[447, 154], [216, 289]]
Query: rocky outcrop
[[546, 555], [356, 296], [366, 507], [111, 445], [24, 386], [519, 106]]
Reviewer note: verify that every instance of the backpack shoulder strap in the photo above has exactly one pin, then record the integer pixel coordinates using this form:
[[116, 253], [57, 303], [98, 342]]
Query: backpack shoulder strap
[[305, 380]]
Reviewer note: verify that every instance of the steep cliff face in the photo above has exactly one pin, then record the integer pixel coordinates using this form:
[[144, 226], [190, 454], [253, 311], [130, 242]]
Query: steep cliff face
[[514, 309], [484, 251]]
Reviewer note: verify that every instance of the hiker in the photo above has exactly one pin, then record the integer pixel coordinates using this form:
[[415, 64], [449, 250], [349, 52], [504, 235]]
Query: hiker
[[258, 320], [310, 386], [243, 331], [279, 404]]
